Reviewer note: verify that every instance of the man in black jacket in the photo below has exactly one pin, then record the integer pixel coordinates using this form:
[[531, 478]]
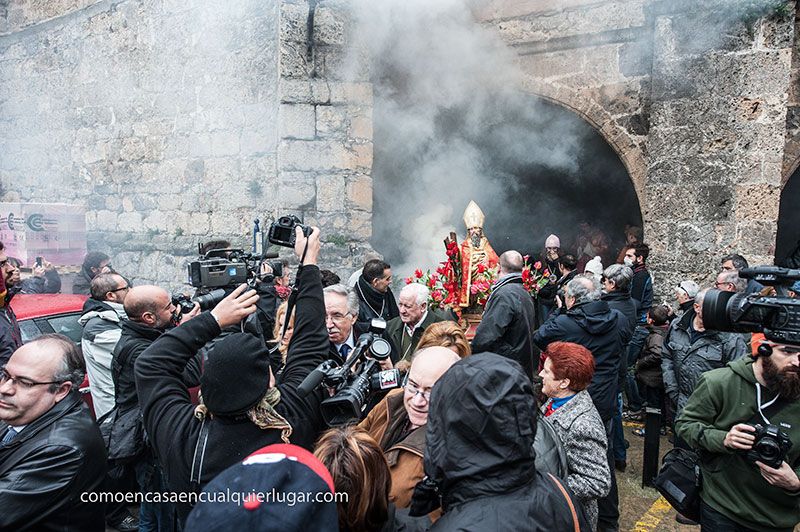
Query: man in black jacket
[[94, 263], [510, 318], [479, 454], [604, 331], [244, 408], [52, 456], [150, 312], [375, 296]]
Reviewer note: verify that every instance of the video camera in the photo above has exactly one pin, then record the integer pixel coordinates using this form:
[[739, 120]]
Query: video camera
[[355, 380], [777, 316], [227, 267]]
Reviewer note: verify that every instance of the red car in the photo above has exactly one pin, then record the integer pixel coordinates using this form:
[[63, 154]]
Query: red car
[[39, 314]]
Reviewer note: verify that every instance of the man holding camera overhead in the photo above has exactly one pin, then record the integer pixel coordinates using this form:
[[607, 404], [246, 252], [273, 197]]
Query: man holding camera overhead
[[743, 417], [244, 408]]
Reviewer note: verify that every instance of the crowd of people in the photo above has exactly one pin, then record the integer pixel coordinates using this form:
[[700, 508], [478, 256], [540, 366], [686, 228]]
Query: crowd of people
[[196, 403]]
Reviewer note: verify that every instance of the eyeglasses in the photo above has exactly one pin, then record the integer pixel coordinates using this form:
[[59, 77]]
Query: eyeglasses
[[126, 287], [414, 390], [4, 263], [23, 381], [336, 317]]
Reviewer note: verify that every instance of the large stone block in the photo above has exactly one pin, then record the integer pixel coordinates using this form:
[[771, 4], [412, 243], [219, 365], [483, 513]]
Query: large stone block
[[331, 193], [297, 121]]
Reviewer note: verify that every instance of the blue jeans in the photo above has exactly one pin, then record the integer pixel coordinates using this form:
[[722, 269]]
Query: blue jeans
[[635, 402], [154, 517], [617, 434]]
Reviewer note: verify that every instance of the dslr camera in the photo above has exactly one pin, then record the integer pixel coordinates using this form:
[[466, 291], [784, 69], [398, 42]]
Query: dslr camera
[[282, 233], [355, 380], [206, 301], [777, 316], [770, 447]]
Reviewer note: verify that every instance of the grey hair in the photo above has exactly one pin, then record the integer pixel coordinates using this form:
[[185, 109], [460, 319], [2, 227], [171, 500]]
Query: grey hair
[[418, 290], [700, 297], [72, 367], [621, 275], [343, 290], [583, 289], [733, 278]]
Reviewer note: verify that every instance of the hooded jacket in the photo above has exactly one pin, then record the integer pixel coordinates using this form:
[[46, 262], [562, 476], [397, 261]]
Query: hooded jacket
[[47, 466], [732, 485], [479, 451], [601, 330], [508, 323], [169, 415], [102, 329], [682, 361]]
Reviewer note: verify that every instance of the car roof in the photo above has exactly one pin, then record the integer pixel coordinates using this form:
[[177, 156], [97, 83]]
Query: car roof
[[27, 306]]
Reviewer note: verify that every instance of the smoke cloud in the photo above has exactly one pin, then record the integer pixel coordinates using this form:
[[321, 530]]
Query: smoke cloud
[[452, 125]]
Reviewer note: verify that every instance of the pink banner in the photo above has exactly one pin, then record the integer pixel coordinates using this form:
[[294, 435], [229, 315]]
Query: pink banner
[[55, 231]]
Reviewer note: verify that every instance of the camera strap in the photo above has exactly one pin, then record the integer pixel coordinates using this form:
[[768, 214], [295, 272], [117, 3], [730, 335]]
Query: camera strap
[[295, 290]]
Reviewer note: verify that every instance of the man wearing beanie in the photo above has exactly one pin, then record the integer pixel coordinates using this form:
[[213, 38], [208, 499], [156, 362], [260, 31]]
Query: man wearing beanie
[[244, 407]]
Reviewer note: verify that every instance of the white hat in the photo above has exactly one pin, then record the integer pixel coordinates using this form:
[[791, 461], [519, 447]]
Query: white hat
[[594, 266], [690, 287], [552, 242]]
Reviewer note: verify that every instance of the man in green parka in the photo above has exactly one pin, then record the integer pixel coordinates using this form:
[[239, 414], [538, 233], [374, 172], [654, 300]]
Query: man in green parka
[[737, 492]]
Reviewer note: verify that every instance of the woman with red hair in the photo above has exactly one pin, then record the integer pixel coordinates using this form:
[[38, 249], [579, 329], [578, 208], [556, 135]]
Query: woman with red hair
[[567, 372]]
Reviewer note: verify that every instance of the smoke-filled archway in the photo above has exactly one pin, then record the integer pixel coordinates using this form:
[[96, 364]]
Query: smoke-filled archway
[[534, 168], [788, 238]]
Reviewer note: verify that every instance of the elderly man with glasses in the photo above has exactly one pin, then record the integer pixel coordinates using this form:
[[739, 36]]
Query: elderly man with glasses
[[398, 422], [52, 457]]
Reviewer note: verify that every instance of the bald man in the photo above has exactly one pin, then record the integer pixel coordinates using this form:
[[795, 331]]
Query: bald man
[[398, 422], [509, 318], [150, 312]]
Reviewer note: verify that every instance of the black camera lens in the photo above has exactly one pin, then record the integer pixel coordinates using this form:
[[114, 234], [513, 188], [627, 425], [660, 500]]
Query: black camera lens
[[715, 310]]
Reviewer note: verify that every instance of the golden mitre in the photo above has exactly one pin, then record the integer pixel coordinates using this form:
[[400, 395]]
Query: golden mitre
[[473, 216]]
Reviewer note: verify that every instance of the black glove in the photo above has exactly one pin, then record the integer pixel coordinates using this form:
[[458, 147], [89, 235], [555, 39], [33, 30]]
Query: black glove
[[425, 499]]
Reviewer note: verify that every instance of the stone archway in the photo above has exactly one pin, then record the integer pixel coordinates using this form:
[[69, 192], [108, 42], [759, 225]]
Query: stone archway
[[627, 148], [539, 198]]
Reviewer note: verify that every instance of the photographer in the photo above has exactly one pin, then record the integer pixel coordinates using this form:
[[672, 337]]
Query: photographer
[[739, 491], [245, 409]]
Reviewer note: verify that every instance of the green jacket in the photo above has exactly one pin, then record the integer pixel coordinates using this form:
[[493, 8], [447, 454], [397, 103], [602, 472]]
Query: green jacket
[[732, 485]]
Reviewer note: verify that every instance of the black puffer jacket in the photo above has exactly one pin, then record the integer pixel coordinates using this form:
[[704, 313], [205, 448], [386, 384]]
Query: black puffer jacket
[[601, 330], [480, 432], [47, 466], [508, 323]]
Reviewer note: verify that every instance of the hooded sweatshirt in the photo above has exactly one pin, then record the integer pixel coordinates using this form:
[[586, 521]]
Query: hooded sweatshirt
[[604, 332], [732, 485], [479, 451]]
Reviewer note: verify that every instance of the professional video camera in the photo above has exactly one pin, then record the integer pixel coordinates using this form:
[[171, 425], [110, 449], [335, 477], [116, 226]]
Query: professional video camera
[[355, 380], [777, 316]]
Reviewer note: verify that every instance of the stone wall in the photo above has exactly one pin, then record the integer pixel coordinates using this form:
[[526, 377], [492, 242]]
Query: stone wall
[[716, 143], [180, 122], [175, 122], [698, 119]]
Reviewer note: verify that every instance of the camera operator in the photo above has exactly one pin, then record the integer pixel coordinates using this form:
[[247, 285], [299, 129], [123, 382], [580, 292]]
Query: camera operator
[[245, 409], [739, 491]]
